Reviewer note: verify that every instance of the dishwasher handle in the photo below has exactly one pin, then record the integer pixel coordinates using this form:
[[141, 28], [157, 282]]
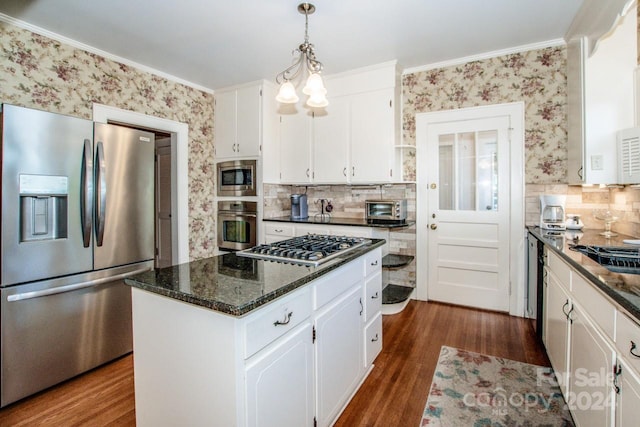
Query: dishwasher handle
[[73, 287]]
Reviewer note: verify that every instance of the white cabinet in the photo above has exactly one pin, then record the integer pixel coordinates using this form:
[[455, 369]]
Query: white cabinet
[[279, 384], [372, 136], [352, 140], [628, 395], [557, 306], [338, 355], [591, 360], [600, 101], [244, 117]]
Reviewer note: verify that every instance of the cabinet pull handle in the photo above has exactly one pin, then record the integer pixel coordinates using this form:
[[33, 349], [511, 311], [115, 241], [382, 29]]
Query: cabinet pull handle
[[278, 230], [374, 339], [617, 370], [375, 296], [353, 171], [633, 347], [570, 313], [307, 173], [374, 263], [344, 171], [564, 312], [361, 306], [287, 319]]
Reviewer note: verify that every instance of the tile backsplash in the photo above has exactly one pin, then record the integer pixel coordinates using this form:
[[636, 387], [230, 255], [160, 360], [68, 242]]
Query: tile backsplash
[[585, 200]]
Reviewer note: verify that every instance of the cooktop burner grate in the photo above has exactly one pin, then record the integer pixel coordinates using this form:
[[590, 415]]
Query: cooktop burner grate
[[312, 249]]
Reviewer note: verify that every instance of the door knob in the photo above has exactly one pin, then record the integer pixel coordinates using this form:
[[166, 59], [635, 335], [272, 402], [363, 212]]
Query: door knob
[[433, 226]]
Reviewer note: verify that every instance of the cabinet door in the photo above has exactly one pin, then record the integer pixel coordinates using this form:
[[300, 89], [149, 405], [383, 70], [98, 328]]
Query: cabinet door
[[248, 121], [591, 360], [295, 147], [557, 303], [628, 406], [225, 125], [339, 355], [331, 142], [372, 136], [279, 384]]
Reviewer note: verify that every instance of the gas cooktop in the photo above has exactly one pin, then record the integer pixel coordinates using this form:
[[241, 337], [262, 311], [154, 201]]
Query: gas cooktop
[[312, 249]]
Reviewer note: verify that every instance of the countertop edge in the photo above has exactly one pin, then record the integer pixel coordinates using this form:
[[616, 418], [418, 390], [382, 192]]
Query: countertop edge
[[631, 309], [240, 311], [355, 222]]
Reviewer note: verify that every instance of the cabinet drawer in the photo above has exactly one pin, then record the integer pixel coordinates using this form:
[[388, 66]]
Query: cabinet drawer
[[335, 283], [628, 332], [373, 339], [373, 295], [373, 262], [559, 268], [275, 320], [278, 229], [594, 303]]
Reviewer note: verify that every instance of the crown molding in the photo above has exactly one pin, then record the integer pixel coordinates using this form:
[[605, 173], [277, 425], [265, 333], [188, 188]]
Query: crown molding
[[486, 55], [78, 45]]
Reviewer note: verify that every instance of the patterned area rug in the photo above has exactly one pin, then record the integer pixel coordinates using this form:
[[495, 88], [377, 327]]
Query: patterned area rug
[[472, 389]]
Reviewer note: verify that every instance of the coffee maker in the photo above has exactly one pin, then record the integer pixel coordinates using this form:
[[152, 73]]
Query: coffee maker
[[299, 207], [552, 212]]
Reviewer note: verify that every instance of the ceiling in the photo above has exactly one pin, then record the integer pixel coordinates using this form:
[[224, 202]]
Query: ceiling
[[216, 43]]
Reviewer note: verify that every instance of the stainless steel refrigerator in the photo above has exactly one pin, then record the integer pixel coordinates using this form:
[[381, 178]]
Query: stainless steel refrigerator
[[77, 210]]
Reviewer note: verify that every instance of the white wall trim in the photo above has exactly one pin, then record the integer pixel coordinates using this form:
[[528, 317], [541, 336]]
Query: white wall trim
[[486, 55], [79, 45], [180, 166], [515, 111]]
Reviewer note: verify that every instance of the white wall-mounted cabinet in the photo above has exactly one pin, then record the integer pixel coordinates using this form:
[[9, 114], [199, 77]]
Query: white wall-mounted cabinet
[[600, 101], [352, 140], [244, 117]]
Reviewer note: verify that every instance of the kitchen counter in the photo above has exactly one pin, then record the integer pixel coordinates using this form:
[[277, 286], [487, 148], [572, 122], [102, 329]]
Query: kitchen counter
[[623, 289], [236, 285], [358, 222]]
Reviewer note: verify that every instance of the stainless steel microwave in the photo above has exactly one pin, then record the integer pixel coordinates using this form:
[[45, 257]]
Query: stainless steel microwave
[[237, 178], [386, 211]]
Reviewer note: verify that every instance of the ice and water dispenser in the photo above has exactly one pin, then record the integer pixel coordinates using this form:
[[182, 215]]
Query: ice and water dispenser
[[43, 207]]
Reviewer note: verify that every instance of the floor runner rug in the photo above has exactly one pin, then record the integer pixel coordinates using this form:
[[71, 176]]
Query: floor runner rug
[[476, 390]]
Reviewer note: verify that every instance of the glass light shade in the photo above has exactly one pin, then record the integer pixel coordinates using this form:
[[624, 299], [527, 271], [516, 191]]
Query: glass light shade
[[317, 100], [287, 93], [314, 85]]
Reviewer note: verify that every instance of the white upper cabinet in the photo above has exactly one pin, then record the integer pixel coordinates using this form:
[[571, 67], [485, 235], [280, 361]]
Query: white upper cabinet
[[244, 118], [600, 101], [352, 140]]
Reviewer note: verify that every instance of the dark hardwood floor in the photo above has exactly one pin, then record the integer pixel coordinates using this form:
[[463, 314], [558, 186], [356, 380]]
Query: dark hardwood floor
[[394, 394]]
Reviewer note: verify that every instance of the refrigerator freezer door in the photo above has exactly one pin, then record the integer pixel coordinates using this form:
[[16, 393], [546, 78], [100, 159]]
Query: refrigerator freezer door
[[42, 163], [53, 330], [124, 192]]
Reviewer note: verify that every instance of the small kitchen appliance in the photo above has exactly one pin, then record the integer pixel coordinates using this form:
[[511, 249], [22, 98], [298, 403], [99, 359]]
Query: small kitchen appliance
[[386, 211], [552, 212], [236, 178], [299, 206], [574, 222]]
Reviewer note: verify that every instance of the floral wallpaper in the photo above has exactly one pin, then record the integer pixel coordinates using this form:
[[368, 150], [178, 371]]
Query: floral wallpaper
[[39, 72], [537, 77]]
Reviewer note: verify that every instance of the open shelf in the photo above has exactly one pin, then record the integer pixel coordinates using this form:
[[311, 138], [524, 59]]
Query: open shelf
[[396, 260], [394, 294]]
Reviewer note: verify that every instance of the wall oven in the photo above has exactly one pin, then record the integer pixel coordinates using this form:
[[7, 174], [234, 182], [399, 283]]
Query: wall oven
[[237, 178], [237, 224]]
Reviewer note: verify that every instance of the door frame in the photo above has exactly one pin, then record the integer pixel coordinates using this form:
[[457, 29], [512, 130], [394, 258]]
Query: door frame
[[179, 169], [515, 111]]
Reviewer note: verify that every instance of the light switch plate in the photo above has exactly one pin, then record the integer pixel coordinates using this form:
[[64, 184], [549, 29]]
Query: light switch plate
[[597, 162]]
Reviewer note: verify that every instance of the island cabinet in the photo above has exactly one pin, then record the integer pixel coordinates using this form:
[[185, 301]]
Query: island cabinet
[[589, 341], [295, 361]]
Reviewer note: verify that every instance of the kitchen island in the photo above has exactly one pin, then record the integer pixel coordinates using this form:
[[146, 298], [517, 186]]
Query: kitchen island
[[232, 341]]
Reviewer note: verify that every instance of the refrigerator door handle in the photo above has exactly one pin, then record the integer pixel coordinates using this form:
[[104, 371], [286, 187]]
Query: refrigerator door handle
[[101, 197], [86, 196], [73, 287]]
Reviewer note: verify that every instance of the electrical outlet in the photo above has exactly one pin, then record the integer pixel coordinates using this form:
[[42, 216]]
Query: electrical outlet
[[597, 162]]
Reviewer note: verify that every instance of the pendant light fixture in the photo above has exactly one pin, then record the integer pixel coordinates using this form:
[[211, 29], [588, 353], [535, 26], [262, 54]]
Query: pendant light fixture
[[304, 57]]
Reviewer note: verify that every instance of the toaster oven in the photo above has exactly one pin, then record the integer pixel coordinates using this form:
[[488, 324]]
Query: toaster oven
[[386, 211]]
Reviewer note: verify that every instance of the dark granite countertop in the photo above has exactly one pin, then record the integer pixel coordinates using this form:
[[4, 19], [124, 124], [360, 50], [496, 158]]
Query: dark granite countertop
[[236, 285], [624, 289], [358, 222]]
